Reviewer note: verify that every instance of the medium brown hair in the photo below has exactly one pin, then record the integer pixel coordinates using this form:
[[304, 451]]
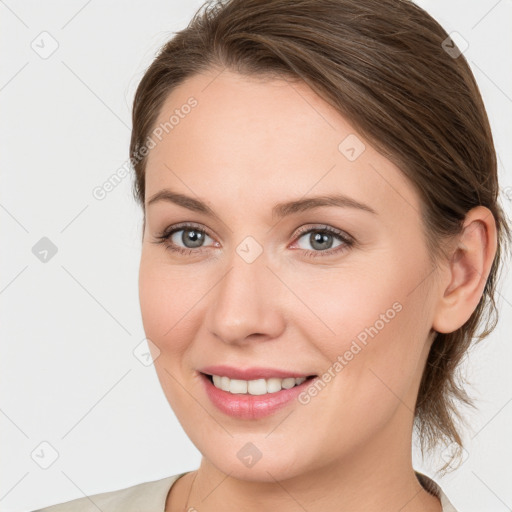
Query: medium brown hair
[[383, 65]]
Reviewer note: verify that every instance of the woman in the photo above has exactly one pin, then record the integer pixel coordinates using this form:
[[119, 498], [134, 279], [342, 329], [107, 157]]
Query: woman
[[322, 241]]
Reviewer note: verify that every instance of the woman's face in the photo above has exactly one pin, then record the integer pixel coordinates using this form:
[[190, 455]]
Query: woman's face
[[265, 286]]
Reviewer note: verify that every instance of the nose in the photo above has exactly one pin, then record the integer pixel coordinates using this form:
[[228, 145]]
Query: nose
[[245, 304]]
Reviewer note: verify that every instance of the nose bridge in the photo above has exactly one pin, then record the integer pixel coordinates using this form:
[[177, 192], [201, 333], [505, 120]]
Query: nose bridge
[[245, 300]]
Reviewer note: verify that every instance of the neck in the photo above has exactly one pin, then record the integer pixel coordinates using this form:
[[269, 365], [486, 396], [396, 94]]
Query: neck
[[375, 477]]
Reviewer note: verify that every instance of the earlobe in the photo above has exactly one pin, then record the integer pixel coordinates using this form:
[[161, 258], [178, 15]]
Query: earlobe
[[466, 273]]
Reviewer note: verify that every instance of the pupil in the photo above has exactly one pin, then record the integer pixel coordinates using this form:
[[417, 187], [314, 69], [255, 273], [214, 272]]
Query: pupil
[[321, 238], [194, 236]]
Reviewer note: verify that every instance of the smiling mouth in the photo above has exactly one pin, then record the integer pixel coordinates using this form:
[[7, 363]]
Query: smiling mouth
[[256, 386]]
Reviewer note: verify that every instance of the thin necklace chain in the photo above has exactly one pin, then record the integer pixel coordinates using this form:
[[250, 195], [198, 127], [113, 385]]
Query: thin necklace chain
[[190, 490]]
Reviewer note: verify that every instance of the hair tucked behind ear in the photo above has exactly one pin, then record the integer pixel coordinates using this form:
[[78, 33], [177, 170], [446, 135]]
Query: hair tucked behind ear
[[382, 65]]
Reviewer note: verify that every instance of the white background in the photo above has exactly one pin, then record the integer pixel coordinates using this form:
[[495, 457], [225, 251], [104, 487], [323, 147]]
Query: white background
[[69, 326]]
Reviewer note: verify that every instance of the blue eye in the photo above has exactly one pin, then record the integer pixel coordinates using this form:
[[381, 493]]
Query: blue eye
[[193, 238], [322, 239]]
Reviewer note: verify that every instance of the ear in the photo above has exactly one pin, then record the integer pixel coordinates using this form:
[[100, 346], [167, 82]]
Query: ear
[[463, 280]]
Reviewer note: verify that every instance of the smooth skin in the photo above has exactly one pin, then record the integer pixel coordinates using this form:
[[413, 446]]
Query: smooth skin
[[249, 144]]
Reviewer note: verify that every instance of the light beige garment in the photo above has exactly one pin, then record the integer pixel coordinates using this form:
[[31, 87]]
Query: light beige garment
[[151, 496]]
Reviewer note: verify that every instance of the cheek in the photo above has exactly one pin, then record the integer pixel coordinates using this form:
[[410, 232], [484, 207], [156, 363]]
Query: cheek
[[351, 304], [372, 362], [166, 298], [169, 318], [378, 320], [152, 304]]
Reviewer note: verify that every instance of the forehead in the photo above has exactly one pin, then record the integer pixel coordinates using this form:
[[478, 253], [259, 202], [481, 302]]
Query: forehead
[[263, 139]]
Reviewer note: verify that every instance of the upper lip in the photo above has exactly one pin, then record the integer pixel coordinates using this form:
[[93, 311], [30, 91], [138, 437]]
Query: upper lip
[[251, 373]]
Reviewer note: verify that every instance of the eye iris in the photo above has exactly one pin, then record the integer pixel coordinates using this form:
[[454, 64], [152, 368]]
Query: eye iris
[[320, 238], [194, 236]]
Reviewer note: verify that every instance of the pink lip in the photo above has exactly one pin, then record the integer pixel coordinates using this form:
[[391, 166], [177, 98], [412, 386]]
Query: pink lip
[[250, 373], [251, 407]]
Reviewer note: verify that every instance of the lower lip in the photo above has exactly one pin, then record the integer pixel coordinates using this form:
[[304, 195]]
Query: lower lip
[[251, 407]]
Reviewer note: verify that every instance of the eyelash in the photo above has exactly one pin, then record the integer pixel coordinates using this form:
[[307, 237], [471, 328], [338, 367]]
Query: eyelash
[[348, 242]]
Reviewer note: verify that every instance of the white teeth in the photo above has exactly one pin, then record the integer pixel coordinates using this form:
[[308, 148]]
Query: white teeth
[[255, 387], [274, 385], [237, 386], [288, 383], [217, 381], [224, 383]]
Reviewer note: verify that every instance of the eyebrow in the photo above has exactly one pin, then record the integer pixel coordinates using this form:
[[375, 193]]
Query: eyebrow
[[280, 210]]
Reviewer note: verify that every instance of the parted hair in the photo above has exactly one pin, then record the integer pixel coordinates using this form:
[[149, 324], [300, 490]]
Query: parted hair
[[392, 71]]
